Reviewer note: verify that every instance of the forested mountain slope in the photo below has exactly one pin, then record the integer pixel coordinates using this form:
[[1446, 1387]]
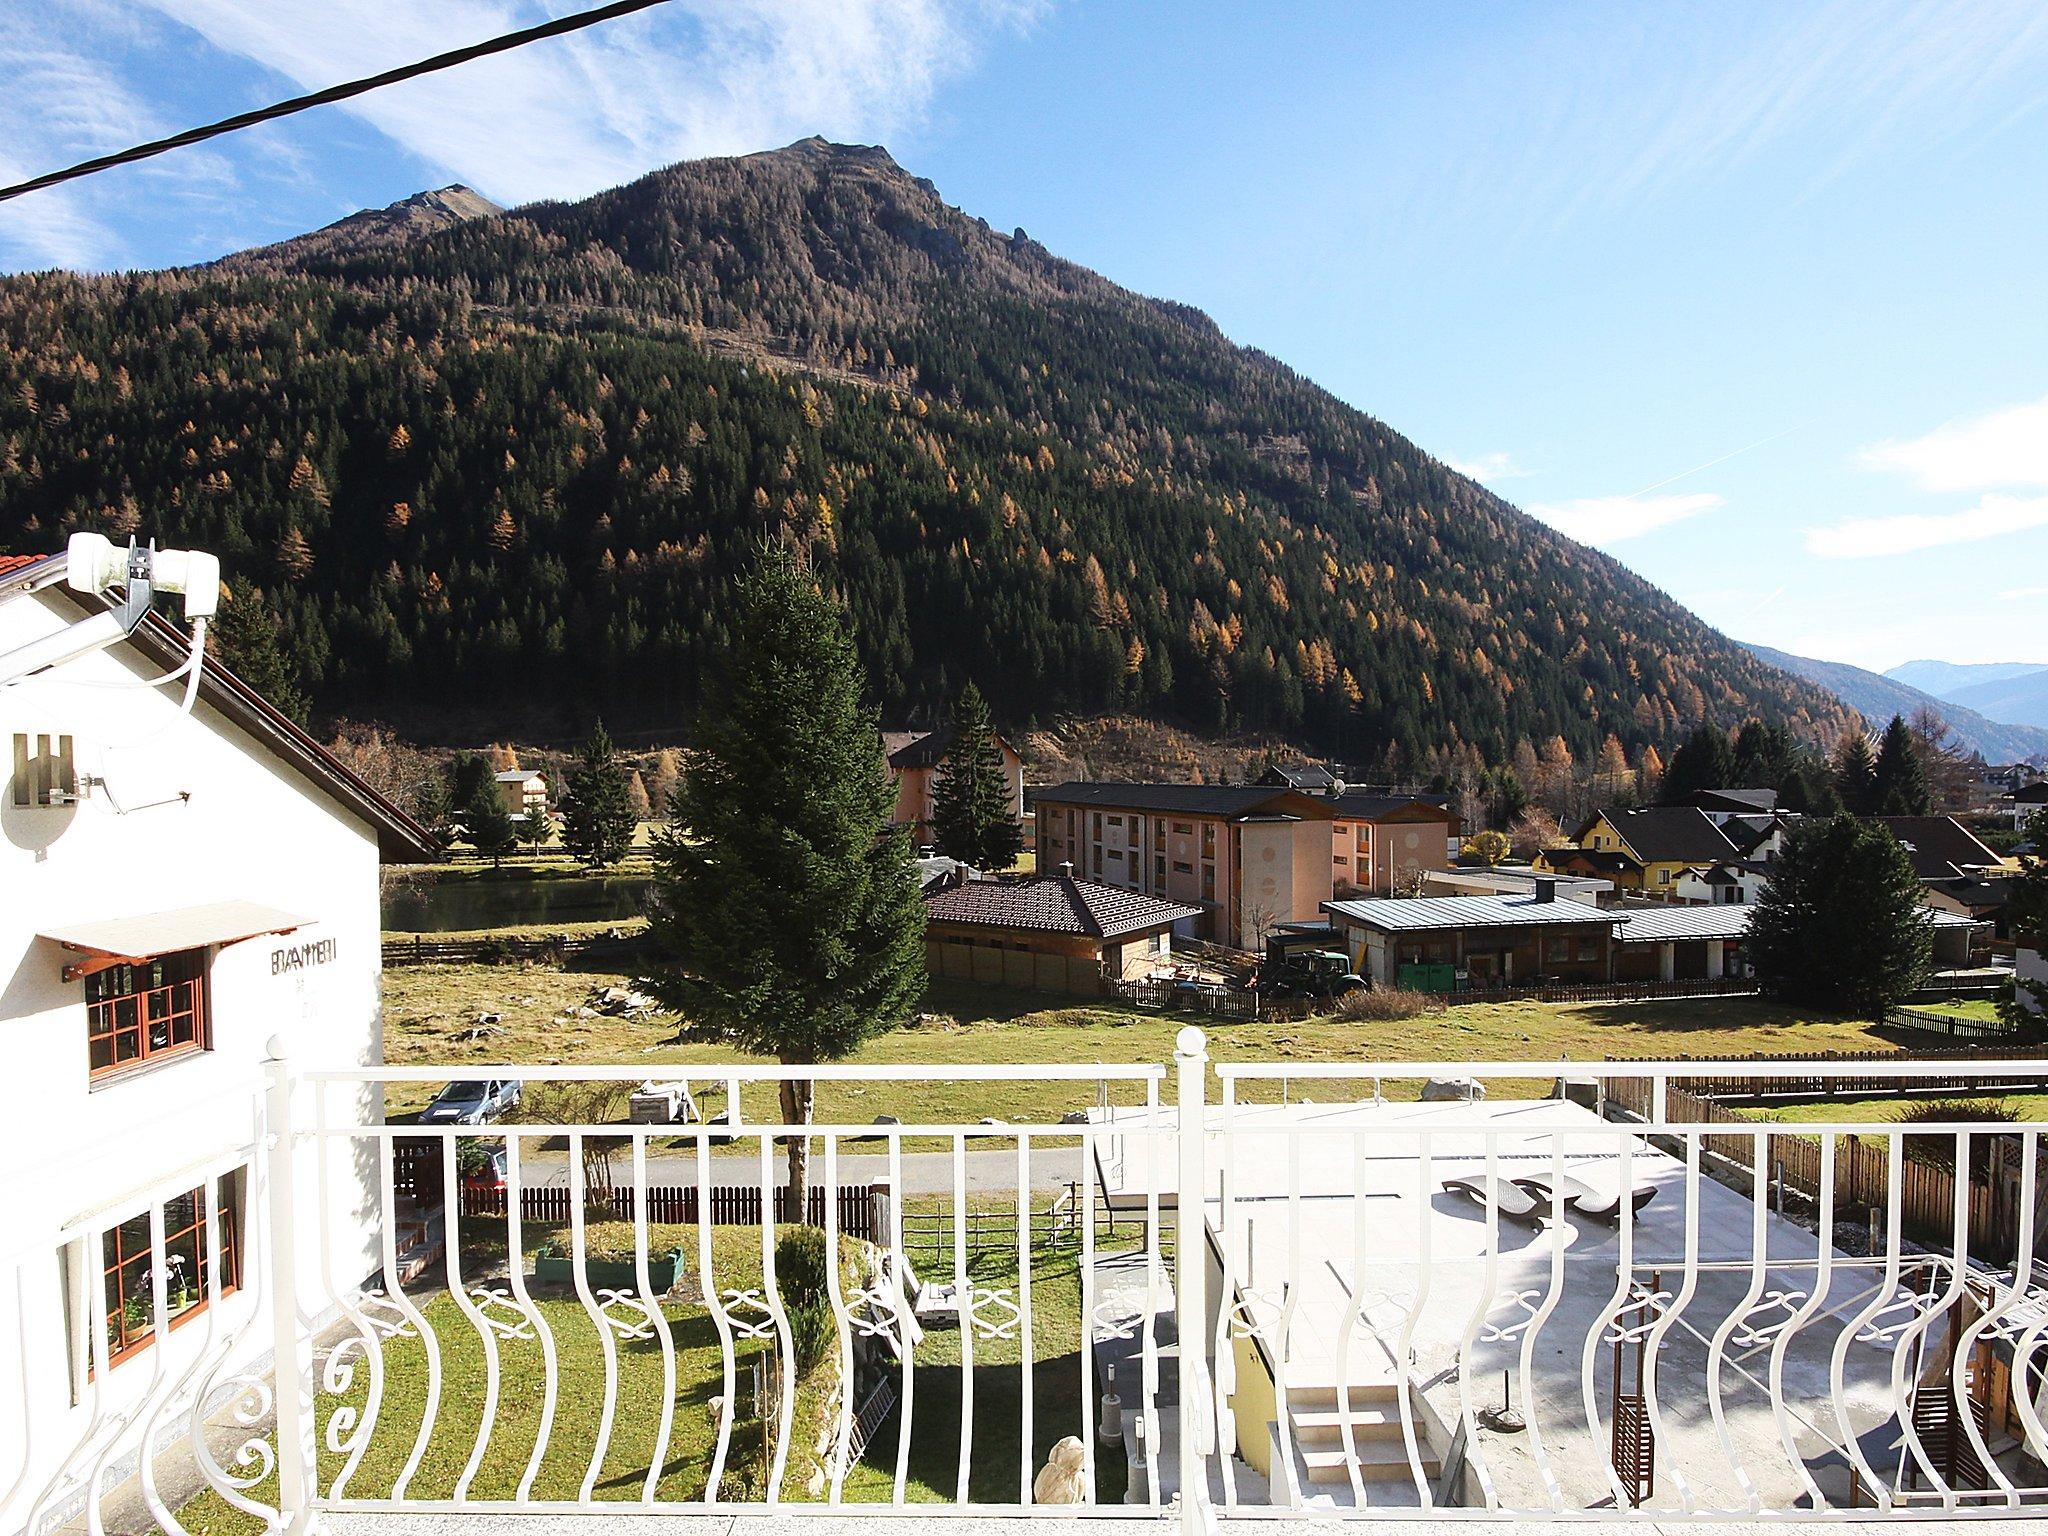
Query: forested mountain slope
[[510, 462]]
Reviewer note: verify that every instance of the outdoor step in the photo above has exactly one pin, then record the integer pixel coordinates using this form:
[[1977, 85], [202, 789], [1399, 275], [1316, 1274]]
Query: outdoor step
[[1322, 1398], [1378, 1462], [1325, 1427]]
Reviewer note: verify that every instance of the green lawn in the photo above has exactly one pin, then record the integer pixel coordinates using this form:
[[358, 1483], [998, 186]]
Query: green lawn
[[426, 1005], [1965, 1008], [1882, 1111], [936, 1397]]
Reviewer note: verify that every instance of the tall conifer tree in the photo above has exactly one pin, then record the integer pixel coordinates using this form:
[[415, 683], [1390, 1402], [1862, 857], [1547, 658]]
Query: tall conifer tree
[[1839, 924], [785, 899], [1900, 780], [598, 819], [974, 818], [1856, 774]]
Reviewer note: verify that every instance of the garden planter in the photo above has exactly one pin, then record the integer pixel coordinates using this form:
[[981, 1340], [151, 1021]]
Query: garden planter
[[612, 1274]]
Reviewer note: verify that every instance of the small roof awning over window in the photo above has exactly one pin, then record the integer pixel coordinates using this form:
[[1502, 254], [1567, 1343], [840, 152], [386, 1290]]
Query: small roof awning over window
[[124, 940]]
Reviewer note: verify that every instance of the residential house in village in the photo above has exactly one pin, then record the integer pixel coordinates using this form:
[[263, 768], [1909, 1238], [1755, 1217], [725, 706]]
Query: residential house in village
[[1644, 852], [1382, 845], [524, 792], [1941, 847], [1053, 933], [913, 759], [1310, 778], [2026, 801], [155, 945], [1719, 805], [1244, 857]]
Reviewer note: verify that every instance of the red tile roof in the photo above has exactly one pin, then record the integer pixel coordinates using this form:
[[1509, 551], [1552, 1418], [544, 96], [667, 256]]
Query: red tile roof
[[1053, 904], [9, 564]]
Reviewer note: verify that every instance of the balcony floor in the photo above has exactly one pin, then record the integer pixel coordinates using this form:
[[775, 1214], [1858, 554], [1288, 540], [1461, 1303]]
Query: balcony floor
[[1053, 1525]]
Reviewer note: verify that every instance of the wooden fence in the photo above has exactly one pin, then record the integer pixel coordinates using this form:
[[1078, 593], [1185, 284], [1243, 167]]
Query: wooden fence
[[1221, 1001], [1862, 1172], [731, 1205], [1823, 1084], [1958, 1027], [420, 949], [1606, 991]]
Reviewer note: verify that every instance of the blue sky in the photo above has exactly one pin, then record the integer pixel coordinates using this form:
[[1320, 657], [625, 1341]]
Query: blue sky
[[1748, 294]]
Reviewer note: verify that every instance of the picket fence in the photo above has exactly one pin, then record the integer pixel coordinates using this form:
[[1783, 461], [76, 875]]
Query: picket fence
[[1927, 1190], [731, 1205]]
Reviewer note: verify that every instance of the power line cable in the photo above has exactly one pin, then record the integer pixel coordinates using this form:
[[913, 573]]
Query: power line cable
[[333, 93]]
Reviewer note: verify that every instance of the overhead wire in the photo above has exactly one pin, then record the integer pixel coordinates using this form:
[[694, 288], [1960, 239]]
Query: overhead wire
[[558, 27]]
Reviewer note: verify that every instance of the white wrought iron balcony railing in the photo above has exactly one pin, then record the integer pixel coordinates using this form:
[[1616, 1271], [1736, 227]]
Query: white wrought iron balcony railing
[[1734, 1289]]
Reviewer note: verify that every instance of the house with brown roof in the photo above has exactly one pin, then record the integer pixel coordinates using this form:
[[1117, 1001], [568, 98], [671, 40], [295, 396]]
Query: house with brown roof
[[1660, 844], [913, 759], [1382, 845], [1052, 933], [1940, 847], [1244, 857]]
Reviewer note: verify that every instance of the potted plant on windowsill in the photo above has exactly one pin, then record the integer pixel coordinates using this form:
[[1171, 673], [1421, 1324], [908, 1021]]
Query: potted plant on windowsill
[[607, 1265]]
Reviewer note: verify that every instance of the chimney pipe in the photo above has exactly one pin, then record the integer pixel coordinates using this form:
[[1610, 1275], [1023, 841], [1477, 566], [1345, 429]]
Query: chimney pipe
[[1546, 888], [1067, 868]]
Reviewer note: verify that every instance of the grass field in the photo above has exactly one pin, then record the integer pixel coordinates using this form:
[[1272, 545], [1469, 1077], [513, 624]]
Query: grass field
[[937, 1396], [1982, 1008], [1882, 1111], [425, 1006]]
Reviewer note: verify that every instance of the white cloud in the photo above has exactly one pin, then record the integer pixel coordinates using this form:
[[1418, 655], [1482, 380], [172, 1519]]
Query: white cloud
[[1489, 467], [567, 117], [2002, 448], [1992, 517], [1604, 520], [2022, 594], [67, 100]]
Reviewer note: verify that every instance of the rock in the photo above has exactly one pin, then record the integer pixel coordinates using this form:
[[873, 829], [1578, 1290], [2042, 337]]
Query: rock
[[1453, 1090], [1074, 1117]]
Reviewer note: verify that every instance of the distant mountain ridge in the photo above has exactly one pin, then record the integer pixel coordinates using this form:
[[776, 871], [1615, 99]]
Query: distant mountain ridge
[[1878, 696], [2018, 700], [1944, 678], [498, 461]]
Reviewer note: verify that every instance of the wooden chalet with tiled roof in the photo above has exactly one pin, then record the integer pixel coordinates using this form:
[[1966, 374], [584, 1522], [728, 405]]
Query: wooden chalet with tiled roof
[[1054, 933]]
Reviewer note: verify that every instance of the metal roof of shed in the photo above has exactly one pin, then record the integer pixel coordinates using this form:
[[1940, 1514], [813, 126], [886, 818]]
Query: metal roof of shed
[[1411, 914]]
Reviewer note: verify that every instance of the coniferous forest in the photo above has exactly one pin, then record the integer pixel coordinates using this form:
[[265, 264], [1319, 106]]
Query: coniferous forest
[[515, 463]]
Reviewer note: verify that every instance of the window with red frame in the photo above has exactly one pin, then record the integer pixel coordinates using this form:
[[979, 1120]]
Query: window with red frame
[[143, 1012], [127, 1262]]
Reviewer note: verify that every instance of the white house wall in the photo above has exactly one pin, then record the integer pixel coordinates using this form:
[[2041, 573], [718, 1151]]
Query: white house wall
[[204, 815]]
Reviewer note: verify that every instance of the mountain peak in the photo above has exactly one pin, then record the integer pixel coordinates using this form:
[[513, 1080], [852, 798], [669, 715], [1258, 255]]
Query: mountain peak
[[410, 218], [818, 147]]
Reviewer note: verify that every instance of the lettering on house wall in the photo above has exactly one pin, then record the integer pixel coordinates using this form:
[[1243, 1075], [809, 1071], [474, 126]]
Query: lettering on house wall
[[287, 958]]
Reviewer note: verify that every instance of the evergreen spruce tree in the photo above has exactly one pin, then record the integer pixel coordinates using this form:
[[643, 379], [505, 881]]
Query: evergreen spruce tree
[[244, 635], [431, 808], [1839, 925], [1705, 761], [784, 899], [1899, 780], [973, 817], [487, 824], [597, 816], [536, 831], [1855, 770]]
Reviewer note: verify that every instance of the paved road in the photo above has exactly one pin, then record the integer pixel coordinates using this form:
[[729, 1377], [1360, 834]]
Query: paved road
[[991, 1172]]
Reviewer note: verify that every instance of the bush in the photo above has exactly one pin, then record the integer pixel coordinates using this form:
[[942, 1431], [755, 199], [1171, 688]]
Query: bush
[[1939, 1151], [812, 1334], [1385, 1004], [800, 1260]]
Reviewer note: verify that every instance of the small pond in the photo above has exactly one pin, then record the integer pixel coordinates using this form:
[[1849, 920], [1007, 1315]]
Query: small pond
[[411, 905]]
